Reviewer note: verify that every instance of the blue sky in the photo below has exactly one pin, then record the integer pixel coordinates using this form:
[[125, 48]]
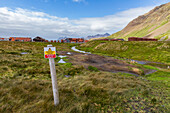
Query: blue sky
[[52, 19]]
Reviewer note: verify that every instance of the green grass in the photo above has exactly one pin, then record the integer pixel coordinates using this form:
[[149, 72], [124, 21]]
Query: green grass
[[161, 76], [25, 85], [139, 33], [166, 35], [147, 51], [150, 67], [91, 68]]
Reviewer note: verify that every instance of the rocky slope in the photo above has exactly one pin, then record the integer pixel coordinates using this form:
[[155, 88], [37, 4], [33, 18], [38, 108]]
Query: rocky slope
[[154, 24]]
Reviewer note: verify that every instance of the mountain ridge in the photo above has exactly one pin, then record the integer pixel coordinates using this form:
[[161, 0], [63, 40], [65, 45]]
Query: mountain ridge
[[98, 36], [154, 24]]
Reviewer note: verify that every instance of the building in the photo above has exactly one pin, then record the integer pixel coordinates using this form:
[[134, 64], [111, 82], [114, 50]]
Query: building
[[73, 40], [20, 39], [141, 39], [80, 40], [62, 41], [86, 41], [116, 39], [39, 39], [104, 39], [4, 39]]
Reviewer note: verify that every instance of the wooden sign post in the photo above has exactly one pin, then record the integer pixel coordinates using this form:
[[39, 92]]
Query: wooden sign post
[[50, 53]]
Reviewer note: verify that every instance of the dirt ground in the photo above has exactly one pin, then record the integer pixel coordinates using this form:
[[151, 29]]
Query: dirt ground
[[103, 63]]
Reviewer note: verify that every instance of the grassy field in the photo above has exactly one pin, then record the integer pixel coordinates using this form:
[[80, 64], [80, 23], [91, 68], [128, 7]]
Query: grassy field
[[142, 51], [25, 85], [147, 51]]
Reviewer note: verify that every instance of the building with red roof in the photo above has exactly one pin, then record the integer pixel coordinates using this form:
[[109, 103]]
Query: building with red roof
[[21, 39], [4, 39]]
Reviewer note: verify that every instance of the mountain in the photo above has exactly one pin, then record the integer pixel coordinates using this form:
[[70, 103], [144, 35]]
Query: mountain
[[60, 38], [154, 24], [98, 36]]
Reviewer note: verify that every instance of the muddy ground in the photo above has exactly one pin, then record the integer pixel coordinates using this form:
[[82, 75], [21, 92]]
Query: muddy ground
[[104, 63]]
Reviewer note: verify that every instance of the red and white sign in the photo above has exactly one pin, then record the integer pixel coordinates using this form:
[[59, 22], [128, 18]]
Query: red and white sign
[[49, 52]]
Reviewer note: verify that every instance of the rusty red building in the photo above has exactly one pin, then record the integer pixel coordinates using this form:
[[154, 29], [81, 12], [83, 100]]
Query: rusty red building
[[141, 39], [21, 39]]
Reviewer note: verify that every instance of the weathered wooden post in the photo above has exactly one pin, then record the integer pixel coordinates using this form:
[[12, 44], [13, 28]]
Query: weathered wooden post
[[50, 53]]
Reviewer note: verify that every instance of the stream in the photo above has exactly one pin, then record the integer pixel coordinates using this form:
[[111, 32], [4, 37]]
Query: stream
[[74, 49], [139, 62]]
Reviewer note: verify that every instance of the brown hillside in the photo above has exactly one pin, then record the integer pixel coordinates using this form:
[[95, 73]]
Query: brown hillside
[[151, 24]]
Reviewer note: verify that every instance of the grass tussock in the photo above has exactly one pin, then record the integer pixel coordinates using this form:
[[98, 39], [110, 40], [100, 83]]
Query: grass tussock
[[86, 92]]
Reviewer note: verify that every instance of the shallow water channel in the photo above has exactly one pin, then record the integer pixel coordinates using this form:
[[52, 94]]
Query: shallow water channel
[[139, 62], [24, 53], [74, 48]]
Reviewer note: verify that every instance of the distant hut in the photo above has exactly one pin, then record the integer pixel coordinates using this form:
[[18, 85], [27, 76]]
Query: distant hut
[[39, 39], [141, 39]]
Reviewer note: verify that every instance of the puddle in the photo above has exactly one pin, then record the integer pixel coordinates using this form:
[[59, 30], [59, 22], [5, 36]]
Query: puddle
[[24, 53], [150, 72], [139, 62], [67, 76], [61, 61], [61, 56], [68, 53], [74, 48]]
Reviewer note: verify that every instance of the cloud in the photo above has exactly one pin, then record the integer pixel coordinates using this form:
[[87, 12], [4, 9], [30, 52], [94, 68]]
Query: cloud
[[22, 22], [78, 0]]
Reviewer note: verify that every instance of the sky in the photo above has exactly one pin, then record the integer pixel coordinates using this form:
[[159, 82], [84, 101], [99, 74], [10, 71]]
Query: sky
[[52, 19]]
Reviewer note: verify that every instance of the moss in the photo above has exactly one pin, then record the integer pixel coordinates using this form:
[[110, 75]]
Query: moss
[[91, 68]]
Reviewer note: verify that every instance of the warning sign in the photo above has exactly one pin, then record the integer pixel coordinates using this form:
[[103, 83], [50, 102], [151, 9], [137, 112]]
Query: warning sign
[[49, 52]]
